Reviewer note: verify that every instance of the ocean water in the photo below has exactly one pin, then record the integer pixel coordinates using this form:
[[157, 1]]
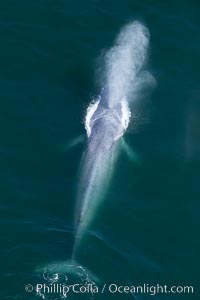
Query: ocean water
[[147, 229]]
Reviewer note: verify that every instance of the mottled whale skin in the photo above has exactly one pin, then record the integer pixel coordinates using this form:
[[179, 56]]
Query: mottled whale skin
[[105, 127]]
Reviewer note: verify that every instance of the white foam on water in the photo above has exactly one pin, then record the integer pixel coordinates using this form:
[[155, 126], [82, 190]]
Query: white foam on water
[[126, 113], [64, 273], [90, 111]]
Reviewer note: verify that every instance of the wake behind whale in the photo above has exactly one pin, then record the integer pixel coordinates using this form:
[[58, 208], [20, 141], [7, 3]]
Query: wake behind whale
[[106, 121]]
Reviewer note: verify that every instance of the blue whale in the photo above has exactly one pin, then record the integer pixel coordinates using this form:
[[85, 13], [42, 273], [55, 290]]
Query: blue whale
[[107, 119], [105, 125]]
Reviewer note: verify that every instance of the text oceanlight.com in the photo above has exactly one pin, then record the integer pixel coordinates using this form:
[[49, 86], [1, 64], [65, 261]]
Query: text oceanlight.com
[[113, 288]]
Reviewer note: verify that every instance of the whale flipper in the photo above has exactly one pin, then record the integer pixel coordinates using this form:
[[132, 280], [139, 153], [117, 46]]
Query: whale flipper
[[132, 155], [74, 142]]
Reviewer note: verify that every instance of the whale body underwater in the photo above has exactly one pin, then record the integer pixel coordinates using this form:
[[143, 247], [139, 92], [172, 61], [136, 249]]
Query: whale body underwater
[[106, 121], [106, 125]]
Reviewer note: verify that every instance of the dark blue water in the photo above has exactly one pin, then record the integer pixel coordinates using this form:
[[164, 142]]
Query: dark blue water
[[147, 230]]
